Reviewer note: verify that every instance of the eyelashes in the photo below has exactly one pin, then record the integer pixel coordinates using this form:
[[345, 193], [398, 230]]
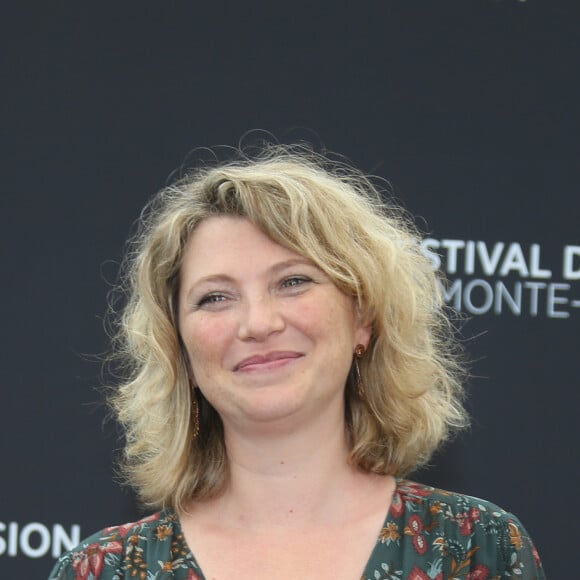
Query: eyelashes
[[295, 281], [213, 298], [289, 285]]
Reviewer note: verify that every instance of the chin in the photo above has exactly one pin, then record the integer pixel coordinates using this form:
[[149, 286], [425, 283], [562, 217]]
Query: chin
[[273, 407]]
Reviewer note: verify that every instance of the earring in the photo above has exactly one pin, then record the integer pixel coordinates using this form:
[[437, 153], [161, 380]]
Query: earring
[[194, 413], [359, 352]]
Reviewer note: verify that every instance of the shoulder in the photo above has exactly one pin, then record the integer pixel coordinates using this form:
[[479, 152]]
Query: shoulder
[[412, 495], [466, 530], [116, 550]]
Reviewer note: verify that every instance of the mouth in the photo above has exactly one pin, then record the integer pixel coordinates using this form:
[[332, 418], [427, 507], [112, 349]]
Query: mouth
[[268, 361]]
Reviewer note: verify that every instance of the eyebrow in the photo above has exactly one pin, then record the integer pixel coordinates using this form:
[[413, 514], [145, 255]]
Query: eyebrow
[[274, 269]]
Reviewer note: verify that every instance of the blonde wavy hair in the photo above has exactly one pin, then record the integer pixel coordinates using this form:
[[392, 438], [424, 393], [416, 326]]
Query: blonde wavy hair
[[336, 217]]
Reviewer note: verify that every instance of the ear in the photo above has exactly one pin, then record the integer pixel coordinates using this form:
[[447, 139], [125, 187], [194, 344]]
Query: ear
[[364, 329]]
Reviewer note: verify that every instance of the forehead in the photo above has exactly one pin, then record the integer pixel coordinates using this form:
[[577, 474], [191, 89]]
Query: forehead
[[230, 242]]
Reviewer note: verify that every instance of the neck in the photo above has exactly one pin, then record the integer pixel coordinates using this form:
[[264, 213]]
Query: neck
[[288, 475]]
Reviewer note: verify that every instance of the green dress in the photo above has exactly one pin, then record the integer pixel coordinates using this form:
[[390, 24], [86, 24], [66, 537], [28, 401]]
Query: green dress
[[428, 534]]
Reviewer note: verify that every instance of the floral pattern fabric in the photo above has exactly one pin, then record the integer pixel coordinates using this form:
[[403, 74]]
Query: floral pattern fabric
[[429, 534]]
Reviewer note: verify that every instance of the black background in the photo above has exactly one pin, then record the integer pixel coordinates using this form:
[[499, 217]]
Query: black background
[[469, 108]]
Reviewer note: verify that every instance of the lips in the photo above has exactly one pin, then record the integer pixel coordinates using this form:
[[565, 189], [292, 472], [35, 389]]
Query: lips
[[268, 360]]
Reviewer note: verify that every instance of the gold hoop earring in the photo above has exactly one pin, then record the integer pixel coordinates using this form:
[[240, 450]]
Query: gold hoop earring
[[359, 352]]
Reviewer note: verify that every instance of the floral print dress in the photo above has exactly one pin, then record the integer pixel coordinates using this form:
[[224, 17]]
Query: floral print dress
[[429, 534]]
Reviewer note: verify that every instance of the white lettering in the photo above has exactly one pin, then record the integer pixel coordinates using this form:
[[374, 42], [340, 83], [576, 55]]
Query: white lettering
[[44, 544], [514, 260], [488, 296], [502, 295], [452, 246], [535, 270], [568, 270], [61, 541], [500, 259], [534, 287], [469, 258], [489, 263], [12, 539], [553, 300], [453, 293], [35, 540], [478, 296], [427, 245]]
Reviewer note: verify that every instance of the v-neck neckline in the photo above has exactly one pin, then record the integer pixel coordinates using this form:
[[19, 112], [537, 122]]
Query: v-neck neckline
[[366, 573]]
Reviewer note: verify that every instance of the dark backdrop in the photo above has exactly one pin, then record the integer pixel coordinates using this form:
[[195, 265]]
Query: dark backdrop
[[469, 108]]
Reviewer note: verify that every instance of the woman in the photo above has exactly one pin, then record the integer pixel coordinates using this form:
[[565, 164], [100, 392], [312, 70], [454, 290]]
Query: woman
[[288, 361]]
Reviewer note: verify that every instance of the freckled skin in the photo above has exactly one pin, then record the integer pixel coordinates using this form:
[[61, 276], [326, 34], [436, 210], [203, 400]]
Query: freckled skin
[[243, 295]]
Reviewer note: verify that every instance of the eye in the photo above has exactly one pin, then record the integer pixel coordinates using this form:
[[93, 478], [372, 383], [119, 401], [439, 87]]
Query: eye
[[210, 299], [295, 281]]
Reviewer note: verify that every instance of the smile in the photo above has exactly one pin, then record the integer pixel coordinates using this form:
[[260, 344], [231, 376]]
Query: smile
[[268, 361]]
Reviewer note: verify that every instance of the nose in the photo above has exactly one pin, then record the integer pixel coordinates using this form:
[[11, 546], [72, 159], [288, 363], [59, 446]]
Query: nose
[[260, 317]]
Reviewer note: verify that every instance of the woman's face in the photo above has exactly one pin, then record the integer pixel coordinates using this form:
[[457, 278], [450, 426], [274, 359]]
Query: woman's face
[[269, 336]]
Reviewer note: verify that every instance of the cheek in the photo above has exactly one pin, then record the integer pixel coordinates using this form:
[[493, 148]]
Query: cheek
[[333, 324], [341, 318], [206, 341]]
